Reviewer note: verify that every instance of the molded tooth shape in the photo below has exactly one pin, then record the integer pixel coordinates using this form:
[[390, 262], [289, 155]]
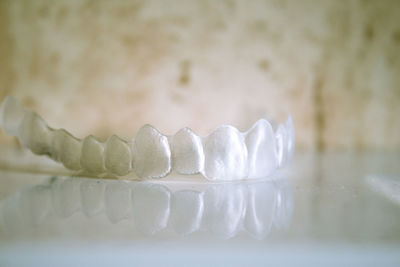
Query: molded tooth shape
[[151, 153], [186, 211], [67, 149], [281, 145], [150, 207], [225, 155], [260, 209], [224, 206], [117, 199], [260, 142], [291, 137], [118, 156], [92, 155], [34, 134], [65, 196], [11, 115], [92, 195], [187, 151]]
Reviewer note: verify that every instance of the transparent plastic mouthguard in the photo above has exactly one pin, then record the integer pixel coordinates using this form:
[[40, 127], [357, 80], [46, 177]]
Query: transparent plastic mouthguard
[[224, 155]]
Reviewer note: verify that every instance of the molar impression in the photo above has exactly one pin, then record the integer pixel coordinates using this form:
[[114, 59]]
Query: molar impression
[[66, 149], [225, 155]]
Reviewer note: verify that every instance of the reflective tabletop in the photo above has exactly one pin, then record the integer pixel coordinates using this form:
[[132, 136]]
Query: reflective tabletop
[[331, 208]]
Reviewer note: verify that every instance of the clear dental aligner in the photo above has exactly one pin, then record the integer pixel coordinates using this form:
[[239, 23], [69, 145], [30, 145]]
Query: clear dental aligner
[[226, 154]]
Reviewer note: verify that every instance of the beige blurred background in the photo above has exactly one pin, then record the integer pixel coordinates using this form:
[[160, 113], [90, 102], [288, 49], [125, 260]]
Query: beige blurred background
[[104, 67]]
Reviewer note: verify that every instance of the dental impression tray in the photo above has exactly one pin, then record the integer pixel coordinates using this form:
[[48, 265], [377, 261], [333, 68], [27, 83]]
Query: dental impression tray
[[224, 155]]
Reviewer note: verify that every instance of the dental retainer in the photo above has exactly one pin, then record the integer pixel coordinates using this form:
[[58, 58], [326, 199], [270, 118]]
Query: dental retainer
[[225, 155]]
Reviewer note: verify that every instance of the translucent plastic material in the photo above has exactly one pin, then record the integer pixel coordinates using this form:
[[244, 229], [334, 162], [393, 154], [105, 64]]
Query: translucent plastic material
[[226, 154]]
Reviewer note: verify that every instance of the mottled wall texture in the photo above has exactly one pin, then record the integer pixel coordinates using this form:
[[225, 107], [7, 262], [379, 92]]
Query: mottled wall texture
[[106, 67]]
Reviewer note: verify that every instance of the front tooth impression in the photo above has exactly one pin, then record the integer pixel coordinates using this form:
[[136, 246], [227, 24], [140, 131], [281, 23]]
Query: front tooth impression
[[118, 156], [225, 155], [34, 134], [260, 142], [151, 153], [67, 149], [186, 211], [92, 155], [187, 150]]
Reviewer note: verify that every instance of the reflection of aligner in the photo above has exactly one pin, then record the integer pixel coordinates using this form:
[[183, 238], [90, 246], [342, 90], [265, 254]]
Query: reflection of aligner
[[220, 209]]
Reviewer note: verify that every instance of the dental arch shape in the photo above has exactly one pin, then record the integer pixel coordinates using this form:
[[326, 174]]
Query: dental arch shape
[[224, 155]]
